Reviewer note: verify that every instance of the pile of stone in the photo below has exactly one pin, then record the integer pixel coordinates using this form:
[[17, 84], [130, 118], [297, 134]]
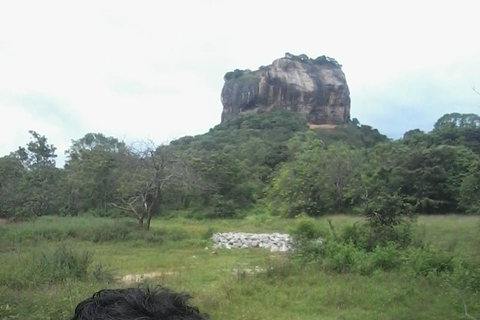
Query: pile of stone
[[275, 242]]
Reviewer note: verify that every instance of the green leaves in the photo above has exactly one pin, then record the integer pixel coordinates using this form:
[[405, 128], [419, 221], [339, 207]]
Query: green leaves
[[93, 172], [316, 181]]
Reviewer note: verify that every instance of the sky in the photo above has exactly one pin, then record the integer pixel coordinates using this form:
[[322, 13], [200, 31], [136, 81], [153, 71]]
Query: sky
[[154, 69]]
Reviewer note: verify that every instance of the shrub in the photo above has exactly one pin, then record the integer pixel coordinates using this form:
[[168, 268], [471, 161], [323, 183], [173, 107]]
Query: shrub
[[389, 217], [307, 237], [340, 257], [386, 257], [466, 276], [356, 234], [306, 230], [368, 237], [427, 261]]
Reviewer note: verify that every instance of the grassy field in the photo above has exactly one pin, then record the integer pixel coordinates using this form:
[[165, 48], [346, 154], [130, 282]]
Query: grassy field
[[178, 250]]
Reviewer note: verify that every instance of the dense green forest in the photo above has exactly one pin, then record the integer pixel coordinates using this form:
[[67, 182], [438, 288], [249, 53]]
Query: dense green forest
[[265, 163]]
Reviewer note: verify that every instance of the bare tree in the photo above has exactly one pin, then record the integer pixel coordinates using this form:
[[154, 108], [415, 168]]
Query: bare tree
[[147, 170]]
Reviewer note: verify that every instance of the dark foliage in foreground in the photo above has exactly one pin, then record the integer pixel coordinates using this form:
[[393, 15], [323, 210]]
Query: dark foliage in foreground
[[137, 303]]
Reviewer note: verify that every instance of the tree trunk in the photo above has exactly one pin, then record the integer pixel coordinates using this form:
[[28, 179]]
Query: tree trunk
[[140, 222], [152, 209], [149, 218], [186, 201], [72, 203]]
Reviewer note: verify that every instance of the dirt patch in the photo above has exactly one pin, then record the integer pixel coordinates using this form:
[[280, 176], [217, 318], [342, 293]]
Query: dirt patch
[[136, 278], [3, 221]]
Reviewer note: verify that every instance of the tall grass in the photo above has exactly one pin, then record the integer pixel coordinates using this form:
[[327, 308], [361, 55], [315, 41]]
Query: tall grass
[[48, 266], [97, 230]]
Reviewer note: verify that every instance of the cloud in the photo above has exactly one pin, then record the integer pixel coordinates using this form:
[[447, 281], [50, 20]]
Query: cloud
[[417, 99]]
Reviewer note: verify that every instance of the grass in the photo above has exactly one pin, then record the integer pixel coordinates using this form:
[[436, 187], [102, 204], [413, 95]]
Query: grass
[[460, 234], [177, 247]]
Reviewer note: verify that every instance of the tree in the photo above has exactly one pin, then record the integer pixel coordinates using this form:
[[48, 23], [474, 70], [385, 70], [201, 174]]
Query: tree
[[226, 177], [12, 173], [38, 153], [470, 189], [92, 172], [41, 187], [341, 168], [387, 210], [459, 120], [458, 129], [315, 182], [147, 171]]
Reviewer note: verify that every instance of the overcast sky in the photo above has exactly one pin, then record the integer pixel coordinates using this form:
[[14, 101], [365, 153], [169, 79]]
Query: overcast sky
[[154, 69]]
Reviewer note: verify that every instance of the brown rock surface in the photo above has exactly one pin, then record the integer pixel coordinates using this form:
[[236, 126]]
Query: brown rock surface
[[314, 88]]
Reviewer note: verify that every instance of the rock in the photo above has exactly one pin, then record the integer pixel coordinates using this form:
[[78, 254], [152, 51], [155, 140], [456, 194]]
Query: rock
[[276, 241], [314, 88]]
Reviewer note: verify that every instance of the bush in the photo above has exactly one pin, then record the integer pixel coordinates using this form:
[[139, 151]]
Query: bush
[[427, 261], [466, 276], [306, 229], [356, 234], [386, 257], [352, 251], [340, 257], [369, 237], [389, 217]]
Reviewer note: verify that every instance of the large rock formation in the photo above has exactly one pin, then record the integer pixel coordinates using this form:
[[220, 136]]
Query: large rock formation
[[314, 88]]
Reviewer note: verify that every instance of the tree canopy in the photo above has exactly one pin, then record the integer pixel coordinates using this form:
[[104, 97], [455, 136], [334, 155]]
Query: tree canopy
[[265, 161]]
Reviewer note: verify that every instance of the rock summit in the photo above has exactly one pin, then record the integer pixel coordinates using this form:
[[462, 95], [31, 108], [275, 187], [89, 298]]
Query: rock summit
[[314, 88]]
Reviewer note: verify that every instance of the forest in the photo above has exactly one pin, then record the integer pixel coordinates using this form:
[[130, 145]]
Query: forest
[[265, 163]]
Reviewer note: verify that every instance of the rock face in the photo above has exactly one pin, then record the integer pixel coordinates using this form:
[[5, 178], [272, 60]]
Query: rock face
[[314, 88]]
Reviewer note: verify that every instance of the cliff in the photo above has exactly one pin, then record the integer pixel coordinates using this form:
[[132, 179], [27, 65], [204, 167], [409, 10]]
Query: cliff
[[314, 88]]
